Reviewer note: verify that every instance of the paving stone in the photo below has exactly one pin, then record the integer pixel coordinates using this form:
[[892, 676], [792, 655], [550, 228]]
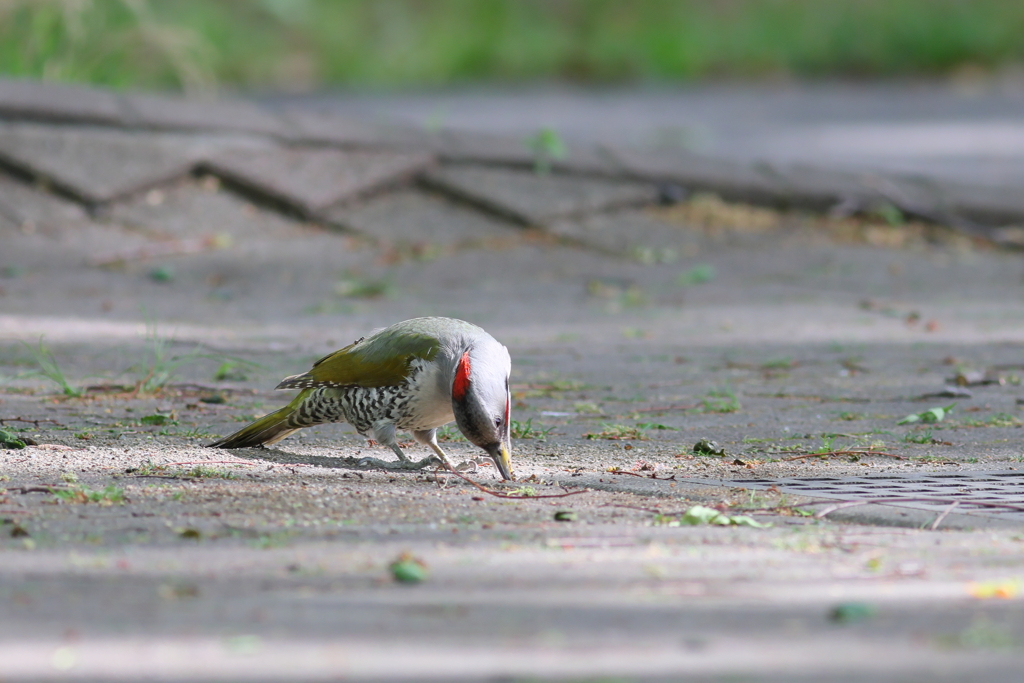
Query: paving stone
[[449, 145], [317, 127], [731, 180], [590, 160], [58, 102], [266, 257], [941, 200], [415, 217], [247, 256], [537, 199], [95, 164], [65, 250], [632, 233], [808, 186], [177, 113], [483, 148], [465, 146], [199, 208], [822, 188], [992, 204], [818, 188], [29, 207], [311, 180]]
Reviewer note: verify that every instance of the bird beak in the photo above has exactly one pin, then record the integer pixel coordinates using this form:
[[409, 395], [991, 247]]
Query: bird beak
[[500, 455]]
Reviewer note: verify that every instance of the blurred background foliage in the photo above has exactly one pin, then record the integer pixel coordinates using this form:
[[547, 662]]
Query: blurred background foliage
[[305, 44]]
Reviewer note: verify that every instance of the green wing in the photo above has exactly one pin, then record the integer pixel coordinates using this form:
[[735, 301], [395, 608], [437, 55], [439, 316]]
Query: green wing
[[379, 361]]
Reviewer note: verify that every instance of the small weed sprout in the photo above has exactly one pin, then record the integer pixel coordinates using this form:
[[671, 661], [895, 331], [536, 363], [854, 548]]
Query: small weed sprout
[[111, 495], [655, 425], [147, 469], [352, 286], [827, 444], [49, 368], [229, 371], [196, 433], [204, 472], [525, 491], [151, 469], [618, 433], [922, 437], [1003, 420], [449, 434], [164, 366], [527, 430], [720, 401], [698, 275], [547, 146], [997, 420]]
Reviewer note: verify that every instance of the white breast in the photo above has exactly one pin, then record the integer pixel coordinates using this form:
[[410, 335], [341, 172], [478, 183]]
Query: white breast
[[430, 401]]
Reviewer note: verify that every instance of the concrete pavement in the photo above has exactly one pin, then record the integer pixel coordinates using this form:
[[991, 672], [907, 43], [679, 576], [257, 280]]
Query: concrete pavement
[[175, 275]]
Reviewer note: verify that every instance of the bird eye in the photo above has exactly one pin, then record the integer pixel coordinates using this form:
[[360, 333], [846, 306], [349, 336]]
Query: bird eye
[[497, 422]]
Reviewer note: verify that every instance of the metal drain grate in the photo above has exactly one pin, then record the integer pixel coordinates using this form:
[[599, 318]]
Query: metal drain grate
[[998, 494]]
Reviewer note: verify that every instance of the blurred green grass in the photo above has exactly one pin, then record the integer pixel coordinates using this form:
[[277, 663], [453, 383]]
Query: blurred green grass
[[304, 44]]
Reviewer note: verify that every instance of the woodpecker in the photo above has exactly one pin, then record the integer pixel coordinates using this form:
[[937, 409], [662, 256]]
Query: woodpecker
[[413, 376]]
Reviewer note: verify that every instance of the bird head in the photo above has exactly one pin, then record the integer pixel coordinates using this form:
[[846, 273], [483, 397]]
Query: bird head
[[481, 400]]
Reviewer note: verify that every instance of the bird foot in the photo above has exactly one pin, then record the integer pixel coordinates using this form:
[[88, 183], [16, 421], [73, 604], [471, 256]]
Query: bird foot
[[397, 465]]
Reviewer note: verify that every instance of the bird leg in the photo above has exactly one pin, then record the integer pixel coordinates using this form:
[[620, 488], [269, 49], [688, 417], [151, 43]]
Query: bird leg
[[384, 434], [402, 457], [404, 463], [428, 437]]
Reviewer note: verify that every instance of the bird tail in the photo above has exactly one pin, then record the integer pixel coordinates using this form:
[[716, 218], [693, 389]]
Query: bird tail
[[269, 429]]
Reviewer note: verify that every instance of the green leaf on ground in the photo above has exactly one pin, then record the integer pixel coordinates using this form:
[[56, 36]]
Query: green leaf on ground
[[936, 414], [699, 514], [8, 440], [162, 274], [708, 447], [849, 612], [408, 569]]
